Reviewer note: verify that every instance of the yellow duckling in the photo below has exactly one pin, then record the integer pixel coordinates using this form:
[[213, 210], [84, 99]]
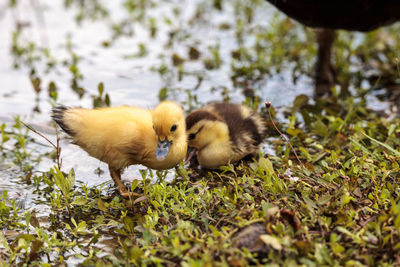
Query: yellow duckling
[[223, 133], [124, 136]]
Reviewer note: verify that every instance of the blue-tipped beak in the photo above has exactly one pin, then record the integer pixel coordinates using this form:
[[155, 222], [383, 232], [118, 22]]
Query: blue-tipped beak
[[162, 149]]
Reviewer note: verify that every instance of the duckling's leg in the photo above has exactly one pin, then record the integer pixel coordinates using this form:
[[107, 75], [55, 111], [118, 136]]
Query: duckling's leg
[[116, 176]]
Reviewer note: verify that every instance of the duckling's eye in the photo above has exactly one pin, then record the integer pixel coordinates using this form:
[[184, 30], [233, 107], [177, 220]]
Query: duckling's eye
[[192, 136], [173, 128]]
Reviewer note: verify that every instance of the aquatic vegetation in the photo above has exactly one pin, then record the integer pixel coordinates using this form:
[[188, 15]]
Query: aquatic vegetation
[[341, 207]]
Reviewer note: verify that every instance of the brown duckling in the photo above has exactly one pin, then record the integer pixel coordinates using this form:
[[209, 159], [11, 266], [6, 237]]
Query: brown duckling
[[124, 136], [223, 133]]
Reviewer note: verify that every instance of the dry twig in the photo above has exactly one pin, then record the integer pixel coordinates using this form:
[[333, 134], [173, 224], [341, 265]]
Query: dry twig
[[268, 105]]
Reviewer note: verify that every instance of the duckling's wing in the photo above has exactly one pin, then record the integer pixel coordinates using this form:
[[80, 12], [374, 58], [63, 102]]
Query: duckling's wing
[[246, 128]]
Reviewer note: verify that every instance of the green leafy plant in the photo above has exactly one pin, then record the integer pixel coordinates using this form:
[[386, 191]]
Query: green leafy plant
[[64, 184]]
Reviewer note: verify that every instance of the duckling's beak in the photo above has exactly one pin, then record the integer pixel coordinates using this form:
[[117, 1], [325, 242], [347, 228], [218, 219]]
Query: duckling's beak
[[189, 155], [162, 149]]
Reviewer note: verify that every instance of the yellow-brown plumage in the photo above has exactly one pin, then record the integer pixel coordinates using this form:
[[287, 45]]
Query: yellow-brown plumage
[[124, 136], [224, 133]]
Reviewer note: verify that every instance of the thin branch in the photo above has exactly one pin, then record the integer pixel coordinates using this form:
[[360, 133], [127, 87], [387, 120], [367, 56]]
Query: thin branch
[[56, 147], [268, 105], [59, 159], [38, 133]]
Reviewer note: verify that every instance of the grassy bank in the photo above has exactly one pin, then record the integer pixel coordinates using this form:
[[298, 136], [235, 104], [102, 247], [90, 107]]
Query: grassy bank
[[339, 207], [342, 207]]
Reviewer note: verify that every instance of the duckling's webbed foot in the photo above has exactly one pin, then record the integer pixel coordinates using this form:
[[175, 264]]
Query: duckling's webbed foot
[[116, 176]]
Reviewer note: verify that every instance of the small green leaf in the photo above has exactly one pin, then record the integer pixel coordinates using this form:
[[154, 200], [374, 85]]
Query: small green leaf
[[392, 128], [80, 201], [101, 205], [324, 199], [100, 87], [320, 128], [397, 153], [266, 165], [107, 100], [163, 94]]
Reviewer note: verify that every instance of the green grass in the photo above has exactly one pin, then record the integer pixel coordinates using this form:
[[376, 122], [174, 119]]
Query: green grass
[[342, 208]]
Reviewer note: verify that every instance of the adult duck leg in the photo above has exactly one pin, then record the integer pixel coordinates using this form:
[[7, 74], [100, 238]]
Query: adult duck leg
[[325, 76]]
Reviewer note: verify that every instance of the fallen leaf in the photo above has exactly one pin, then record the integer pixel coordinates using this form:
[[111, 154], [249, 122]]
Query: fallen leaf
[[271, 241]]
